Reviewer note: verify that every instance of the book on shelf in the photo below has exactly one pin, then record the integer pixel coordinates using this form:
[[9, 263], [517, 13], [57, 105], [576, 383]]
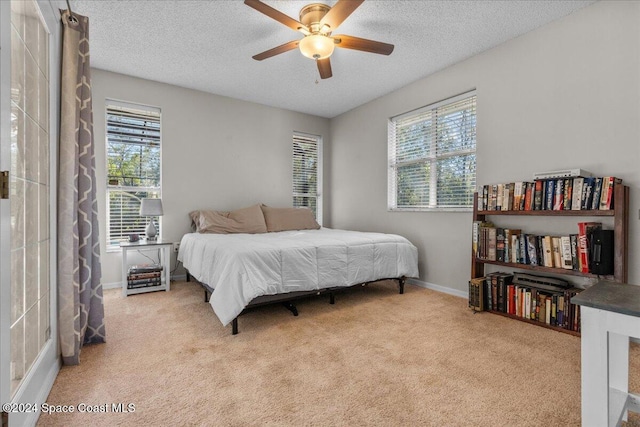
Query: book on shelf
[[518, 195], [608, 185], [509, 233], [565, 245], [528, 197], [532, 249], [558, 198], [556, 250], [485, 197], [547, 251], [491, 243], [500, 244], [493, 201], [585, 229], [147, 275], [575, 259], [144, 268], [569, 193], [549, 195], [597, 189], [538, 195], [587, 193], [537, 298], [143, 285], [576, 199]]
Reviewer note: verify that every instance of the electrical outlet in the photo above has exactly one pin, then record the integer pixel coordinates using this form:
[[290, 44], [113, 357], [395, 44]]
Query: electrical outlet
[[176, 246]]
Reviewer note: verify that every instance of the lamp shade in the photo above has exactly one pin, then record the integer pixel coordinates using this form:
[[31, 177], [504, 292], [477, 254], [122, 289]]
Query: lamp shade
[[316, 46], [151, 207]]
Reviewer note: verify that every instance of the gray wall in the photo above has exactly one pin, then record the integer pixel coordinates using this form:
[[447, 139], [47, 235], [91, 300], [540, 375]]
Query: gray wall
[[217, 152], [564, 95]]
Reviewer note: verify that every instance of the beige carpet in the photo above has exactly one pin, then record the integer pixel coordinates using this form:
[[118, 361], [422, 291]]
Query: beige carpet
[[374, 358]]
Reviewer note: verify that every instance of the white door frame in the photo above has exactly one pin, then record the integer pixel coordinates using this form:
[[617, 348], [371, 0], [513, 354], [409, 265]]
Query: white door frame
[[37, 384]]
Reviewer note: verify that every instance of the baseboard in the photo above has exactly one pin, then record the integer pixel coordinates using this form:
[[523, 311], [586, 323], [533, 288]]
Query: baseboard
[[439, 288], [113, 285], [46, 387], [48, 375]]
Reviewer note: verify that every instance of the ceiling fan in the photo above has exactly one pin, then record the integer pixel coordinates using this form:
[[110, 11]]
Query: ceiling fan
[[317, 22]]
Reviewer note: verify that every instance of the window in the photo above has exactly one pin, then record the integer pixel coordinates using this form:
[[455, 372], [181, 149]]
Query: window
[[432, 156], [133, 166], [307, 167]]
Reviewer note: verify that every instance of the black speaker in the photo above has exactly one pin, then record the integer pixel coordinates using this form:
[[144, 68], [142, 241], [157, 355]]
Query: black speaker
[[601, 252]]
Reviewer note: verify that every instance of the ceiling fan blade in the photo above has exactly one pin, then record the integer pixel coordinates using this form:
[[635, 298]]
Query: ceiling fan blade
[[277, 15], [351, 42], [339, 12], [277, 50], [324, 66]]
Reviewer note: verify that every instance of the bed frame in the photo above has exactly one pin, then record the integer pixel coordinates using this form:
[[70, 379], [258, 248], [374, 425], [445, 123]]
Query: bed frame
[[286, 299]]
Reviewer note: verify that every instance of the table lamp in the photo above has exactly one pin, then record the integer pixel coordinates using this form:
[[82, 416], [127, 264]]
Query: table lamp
[[151, 208]]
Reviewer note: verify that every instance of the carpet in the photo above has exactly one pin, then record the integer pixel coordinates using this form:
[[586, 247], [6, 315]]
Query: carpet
[[373, 358]]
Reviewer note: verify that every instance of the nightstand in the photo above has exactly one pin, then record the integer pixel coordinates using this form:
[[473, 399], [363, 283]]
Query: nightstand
[[164, 249]]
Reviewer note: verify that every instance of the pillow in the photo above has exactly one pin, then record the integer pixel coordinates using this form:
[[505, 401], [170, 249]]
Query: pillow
[[195, 220], [283, 219], [246, 220]]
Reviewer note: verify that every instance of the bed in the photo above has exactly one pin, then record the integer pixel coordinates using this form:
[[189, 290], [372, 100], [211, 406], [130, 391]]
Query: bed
[[240, 271]]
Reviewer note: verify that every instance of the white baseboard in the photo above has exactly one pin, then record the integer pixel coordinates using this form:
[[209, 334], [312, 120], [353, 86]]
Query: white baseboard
[[439, 288], [31, 419], [112, 285], [47, 386]]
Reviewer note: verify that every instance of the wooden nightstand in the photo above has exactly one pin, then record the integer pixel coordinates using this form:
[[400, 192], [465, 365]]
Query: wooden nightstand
[[165, 261]]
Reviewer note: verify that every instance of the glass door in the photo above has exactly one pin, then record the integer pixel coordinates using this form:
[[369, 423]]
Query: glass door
[[29, 188], [28, 99]]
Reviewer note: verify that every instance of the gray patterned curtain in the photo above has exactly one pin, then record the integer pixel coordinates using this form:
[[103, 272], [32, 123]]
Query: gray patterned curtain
[[80, 308]]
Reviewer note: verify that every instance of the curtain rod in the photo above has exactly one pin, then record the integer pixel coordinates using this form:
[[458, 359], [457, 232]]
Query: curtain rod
[[72, 18]]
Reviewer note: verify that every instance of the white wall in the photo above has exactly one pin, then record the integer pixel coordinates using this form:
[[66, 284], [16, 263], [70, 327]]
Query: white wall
[[564, 95], [217, 152]]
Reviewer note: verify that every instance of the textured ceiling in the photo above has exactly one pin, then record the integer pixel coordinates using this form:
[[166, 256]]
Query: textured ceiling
[[207, 45]]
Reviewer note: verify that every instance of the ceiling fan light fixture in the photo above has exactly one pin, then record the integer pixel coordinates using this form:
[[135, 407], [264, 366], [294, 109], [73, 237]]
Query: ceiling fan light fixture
[[316, 46]]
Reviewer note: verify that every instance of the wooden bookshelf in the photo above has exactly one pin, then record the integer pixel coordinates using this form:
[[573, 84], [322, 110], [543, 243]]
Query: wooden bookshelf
[[620, 214]]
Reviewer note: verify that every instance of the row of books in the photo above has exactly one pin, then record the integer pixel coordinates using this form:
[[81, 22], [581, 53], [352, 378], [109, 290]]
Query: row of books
[[498, 292], [143, 276], [513, 246], [592, 193]]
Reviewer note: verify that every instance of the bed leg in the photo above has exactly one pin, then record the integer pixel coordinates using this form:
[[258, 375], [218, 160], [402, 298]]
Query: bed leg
[[206, 296], [188, 276], [234, 326], [292, 308], [401, 284], [332, 298]]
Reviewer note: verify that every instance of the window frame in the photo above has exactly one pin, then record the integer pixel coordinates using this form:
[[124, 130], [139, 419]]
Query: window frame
[[157, 191], [318, 195], [432, 158]]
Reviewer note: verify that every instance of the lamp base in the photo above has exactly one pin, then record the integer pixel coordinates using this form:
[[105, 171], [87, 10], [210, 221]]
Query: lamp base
[[151, 232]]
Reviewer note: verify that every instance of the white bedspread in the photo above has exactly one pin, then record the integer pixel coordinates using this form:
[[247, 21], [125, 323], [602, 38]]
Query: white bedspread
[[241, 267]]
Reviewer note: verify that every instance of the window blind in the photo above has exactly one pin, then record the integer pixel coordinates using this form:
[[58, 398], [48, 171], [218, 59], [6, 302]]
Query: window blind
[[432, 156], [306, 159], [133, 167]]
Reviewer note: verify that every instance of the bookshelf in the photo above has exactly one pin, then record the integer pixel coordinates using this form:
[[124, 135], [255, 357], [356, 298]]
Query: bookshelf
[[620, 215]]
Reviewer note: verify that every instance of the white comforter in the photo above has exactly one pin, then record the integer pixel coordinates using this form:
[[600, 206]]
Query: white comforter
[[241, 267]]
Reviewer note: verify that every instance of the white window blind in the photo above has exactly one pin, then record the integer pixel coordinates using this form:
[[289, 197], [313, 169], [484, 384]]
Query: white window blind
[[432, 156], [306, 173], [133, 167]]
